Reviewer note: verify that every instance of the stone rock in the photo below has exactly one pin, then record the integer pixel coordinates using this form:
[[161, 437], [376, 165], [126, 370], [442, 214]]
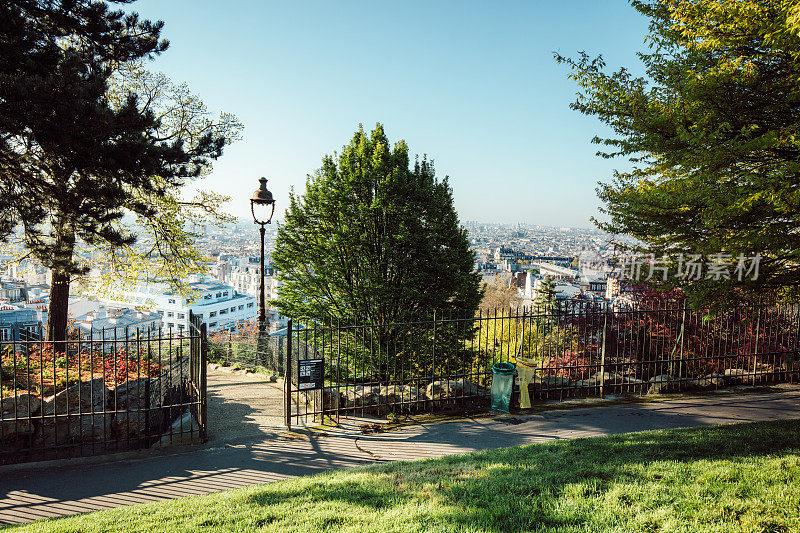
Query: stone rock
[[634, 381], [331, 397], [588, 383], [390, 394], [77, 414], [86, 396], [16, 411], [736, 375], [414, 394], [395, 394], [138, 405], [662, 383], [362, 396], [184, 430], [608, 377], [711, 381], [440, 390], [611, 378], [549, 382]]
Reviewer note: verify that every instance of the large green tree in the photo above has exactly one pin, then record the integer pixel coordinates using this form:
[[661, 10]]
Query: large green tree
[[73, 159], [373, 237], [713, 133]]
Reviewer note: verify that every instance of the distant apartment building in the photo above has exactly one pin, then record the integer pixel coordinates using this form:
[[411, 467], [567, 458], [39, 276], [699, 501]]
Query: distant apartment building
[[125, 324], [220, 271], [29, 271], [245, 276], [502, 253], [597, 287], [18, 323], [13, 291], [509, 265], [219, 306], [557, 271]]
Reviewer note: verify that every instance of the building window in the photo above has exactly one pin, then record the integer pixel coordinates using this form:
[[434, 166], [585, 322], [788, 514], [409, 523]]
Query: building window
[[5, 334], [212, 314], [219, 295], [250, 304], [170, 314], [172, 300], [212, 324], [181, 315], [207, 297], [225, 293], [233, 309], [241, 307], [223, 311], [160, 313]]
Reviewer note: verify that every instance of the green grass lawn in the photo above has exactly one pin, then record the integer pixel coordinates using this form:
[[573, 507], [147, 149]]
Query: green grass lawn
[[744, 477]]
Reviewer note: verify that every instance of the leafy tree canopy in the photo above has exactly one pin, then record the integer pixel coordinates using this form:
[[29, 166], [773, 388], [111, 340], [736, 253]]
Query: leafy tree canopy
[[712, 131], [374, 237]]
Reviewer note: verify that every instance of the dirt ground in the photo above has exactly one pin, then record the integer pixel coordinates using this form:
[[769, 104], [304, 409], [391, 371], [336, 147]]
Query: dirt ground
[[243, 406]]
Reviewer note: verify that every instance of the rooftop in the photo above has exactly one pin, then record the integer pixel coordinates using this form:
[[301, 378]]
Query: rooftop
[[125, 318]]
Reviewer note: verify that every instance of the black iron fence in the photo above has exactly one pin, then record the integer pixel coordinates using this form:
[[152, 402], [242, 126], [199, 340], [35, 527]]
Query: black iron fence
[[574, 349], [101, 392], [245, 348]]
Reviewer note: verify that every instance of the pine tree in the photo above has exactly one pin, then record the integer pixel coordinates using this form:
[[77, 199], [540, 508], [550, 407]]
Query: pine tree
[[71, 161], [545, 305], [545, 300]]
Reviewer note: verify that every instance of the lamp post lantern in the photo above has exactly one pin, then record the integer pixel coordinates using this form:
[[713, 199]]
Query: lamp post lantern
[[261, 203]]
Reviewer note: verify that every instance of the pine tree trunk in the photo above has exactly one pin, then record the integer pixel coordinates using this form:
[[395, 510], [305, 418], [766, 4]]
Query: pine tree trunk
[[57, 311], [59, 291]]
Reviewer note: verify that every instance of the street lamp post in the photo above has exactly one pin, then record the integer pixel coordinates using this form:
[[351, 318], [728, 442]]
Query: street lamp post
[[262, 202]]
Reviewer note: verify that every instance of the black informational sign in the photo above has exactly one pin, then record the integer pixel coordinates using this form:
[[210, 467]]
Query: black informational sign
[[310, 374]]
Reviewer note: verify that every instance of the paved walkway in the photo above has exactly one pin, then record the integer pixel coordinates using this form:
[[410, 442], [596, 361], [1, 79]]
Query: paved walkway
[[243, 406], [33, 492]]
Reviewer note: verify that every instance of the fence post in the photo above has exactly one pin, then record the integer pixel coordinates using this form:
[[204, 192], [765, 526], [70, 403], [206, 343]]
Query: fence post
[[758, 330], [433, 353], [521, 347], [603, 356], [682, 338], [794, 360], [287, 382], [203, 383]]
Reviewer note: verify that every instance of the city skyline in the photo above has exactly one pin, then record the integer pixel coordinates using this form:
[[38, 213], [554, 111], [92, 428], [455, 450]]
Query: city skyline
[[473, 87]]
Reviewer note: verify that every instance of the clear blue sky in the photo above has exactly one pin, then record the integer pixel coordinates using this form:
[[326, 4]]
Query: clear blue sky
[[471, 84]]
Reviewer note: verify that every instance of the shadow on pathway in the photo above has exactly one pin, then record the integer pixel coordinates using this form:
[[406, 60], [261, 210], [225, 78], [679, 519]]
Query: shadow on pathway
[[262, 455]]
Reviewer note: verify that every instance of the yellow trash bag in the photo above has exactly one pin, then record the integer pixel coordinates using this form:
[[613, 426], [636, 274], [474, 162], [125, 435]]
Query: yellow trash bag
[[526, 370]]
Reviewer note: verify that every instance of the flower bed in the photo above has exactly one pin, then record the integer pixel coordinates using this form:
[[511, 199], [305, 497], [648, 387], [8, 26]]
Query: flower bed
[[42, 372]]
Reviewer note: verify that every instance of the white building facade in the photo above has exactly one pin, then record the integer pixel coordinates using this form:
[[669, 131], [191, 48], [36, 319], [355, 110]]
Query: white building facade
[[219, 306]]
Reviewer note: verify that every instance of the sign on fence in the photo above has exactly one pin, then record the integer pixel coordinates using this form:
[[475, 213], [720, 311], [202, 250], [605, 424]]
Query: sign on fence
[[310, 374]]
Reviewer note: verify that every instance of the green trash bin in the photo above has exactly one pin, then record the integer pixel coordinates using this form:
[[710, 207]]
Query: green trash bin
[[502, 385]]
